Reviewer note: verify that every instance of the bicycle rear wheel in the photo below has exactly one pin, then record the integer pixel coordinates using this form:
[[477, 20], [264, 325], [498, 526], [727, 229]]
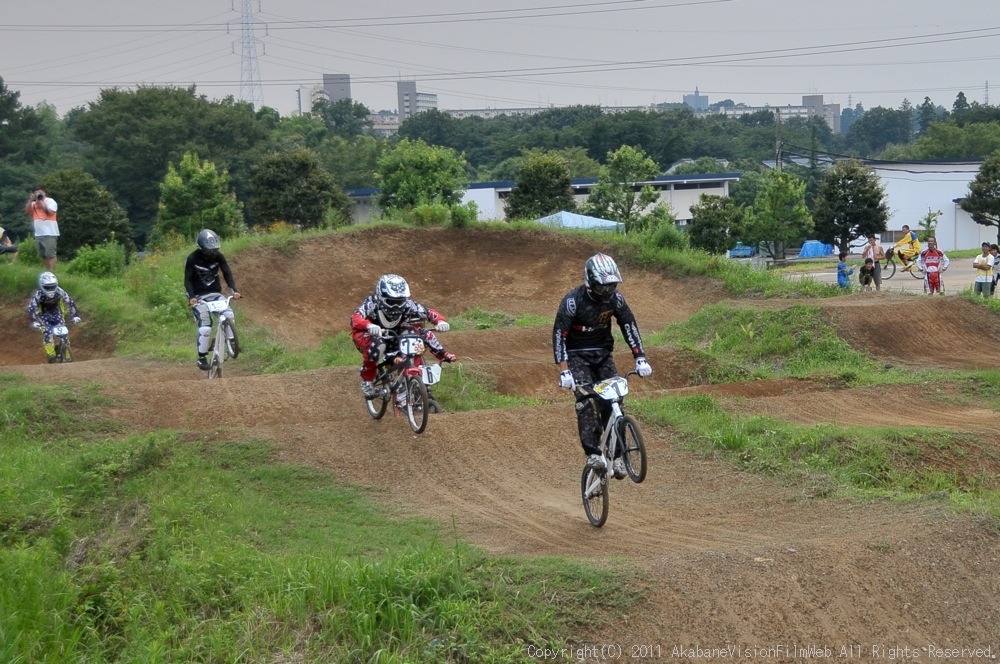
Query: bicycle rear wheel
[[594, 489], [633, 449], [215, 368], [416, 404], [377, 405], [232, 338]]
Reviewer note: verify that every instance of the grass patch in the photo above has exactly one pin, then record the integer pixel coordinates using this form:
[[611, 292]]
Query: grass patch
[[479, 319], [765, 343], [828, 460], [152, 548]]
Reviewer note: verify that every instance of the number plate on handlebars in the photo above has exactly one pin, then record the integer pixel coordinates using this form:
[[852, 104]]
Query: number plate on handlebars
[[612, 388], [431, 373], [216, 306], [60, 330], [411, 346]]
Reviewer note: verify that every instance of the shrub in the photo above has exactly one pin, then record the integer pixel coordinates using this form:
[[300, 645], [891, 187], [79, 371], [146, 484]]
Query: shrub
[[463, 215], [104, 260]]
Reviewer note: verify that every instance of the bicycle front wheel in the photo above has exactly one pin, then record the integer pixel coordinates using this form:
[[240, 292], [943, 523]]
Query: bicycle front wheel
[[888, 269], [633, 449], [416, 404], [594, 488]]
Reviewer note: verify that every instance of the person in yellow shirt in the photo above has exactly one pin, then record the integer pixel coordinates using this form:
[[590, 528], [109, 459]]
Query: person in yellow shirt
[[907, 248], [983, 264]]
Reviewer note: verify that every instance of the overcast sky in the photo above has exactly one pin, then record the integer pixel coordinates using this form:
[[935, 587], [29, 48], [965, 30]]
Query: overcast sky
[[521, 53]]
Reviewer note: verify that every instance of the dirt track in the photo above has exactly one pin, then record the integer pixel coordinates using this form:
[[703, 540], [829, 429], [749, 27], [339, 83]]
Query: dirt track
[[727, 557]]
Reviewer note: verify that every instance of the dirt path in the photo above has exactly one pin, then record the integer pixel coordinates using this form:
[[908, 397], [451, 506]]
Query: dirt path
[[722, 557]]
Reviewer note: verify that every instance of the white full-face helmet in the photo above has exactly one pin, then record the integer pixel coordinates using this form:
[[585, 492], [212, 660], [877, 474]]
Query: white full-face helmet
[[391, 295], [601, 277], [49, 285]]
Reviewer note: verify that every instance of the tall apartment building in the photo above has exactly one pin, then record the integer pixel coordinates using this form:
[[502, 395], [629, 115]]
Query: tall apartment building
[[697, 101], [337, 86], [412, 102]]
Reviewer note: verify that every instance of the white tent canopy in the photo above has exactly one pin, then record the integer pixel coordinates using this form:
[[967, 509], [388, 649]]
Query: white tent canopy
[[572, 220]]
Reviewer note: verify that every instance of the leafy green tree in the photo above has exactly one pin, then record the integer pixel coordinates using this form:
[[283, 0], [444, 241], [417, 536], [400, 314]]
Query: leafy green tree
[[851, 204], [879, 127], [414, 173], [352, 161], [345, 117], [928, 224], [543, 187], [779, 214], [619, 194], [88, 213], [926, 115], [299, 132], [947, 140], [194, 195], [983, 199], [293, 187], [960, 105], [716, 223], [849, 116], [25, 150], [701, 165], [133, 135]]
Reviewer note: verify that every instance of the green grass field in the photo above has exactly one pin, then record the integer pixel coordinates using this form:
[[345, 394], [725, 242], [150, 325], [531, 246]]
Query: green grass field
[[161, 547]]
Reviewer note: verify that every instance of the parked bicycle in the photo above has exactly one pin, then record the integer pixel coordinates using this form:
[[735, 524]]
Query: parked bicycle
[[889, 266], [403, 378], [620, 432], [225, 342]]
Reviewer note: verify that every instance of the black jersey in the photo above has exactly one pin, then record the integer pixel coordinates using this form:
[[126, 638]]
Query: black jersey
[[584, 326], [201, 274]]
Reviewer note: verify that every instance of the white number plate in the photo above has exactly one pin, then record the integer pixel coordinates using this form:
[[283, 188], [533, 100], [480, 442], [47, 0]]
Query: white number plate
[[411, 346], [60, 330], [431, 373], [217, 306], [612, 388]]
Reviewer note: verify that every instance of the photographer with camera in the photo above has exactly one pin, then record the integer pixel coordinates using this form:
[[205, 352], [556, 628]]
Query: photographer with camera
[[42, 211]]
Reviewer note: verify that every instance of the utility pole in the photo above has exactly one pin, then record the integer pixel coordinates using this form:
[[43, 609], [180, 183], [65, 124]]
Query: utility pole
[[777, 139]]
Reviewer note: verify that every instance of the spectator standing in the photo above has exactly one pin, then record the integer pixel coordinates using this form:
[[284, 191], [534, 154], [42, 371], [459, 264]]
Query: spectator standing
[[932, 262], [843, 273], [983, 265], [42, 211], [874, 251], [995, 251]]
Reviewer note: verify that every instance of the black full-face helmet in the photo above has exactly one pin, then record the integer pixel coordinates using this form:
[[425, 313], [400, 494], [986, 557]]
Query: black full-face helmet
[[601, 276], [209, 243], [391, 294]]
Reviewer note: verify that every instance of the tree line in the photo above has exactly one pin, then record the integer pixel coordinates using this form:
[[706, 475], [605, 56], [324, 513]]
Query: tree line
[[154, 164]]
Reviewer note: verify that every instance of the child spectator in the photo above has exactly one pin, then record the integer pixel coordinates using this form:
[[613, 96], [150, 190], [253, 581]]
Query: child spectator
[[866, 275], [843, 273]]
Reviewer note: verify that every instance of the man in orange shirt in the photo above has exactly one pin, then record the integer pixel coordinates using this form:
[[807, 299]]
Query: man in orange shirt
[[42, 211]]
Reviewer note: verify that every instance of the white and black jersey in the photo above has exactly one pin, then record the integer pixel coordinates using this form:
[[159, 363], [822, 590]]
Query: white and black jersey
[[583, 327]]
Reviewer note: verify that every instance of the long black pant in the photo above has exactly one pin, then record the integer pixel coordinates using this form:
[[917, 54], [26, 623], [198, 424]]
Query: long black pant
[[587, 419]]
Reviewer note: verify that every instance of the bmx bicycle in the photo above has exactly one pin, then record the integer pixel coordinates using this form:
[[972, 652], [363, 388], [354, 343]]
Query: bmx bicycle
[[620, 432], [403, 379], [889, 265], [60, 341], [225, 341]]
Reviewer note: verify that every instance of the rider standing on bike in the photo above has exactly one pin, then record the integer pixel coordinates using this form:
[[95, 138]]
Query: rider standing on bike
[[583, 345], [48, 307], [907, 248], [201, 281], [385, 309]]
